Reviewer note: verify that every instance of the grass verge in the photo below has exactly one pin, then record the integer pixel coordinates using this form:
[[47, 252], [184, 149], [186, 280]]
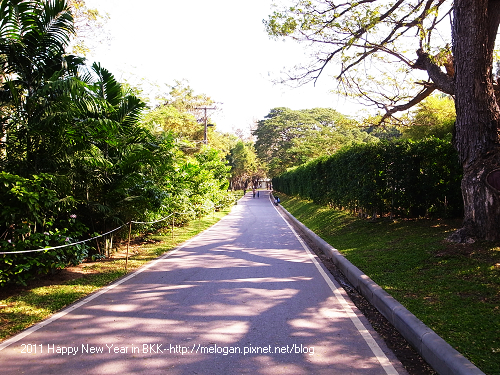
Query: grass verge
[[453, 288], [21, 307]]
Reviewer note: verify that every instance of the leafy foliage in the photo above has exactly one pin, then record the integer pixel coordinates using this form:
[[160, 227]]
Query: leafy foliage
[[181, 112], [394, 54], [401, 177], [371, 46], [244, 166], [75, 158], [89, 26], [288, 138], [434, 116], [35, 214]]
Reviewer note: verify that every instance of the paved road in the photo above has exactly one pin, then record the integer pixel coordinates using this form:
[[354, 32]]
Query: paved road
[[244, 297]]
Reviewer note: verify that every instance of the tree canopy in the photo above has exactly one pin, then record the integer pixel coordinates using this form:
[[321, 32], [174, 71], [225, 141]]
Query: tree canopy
[[287, 138], [74, 157], [433, 117], [89, 27], [370, 43], [370, 47], [246, 167], [181, 112]]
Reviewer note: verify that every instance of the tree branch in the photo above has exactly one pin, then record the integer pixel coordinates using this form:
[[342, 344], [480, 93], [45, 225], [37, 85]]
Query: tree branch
[[442, 81], [315, 73], [403, 107]]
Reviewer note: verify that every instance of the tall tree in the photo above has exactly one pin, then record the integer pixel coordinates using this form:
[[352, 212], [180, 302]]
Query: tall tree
[[287, 138], [369, 33], [74, 157], [33, 62], [243, 162], [181, 112]]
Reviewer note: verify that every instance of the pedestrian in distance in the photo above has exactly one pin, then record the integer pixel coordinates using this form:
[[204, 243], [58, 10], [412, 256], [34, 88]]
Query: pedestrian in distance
[[254, 192]]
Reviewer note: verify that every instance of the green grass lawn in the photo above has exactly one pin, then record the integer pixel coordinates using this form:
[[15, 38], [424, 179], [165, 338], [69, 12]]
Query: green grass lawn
[[453, 288]]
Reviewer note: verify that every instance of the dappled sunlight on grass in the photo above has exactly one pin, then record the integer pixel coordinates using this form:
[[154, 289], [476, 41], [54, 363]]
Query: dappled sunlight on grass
[[34, 304], [453, 288]]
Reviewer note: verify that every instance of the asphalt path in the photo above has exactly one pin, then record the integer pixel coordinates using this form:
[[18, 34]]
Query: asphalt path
[[244, 297]]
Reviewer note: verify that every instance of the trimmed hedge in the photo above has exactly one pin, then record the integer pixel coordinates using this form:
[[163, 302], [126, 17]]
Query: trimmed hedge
[[409, 178]]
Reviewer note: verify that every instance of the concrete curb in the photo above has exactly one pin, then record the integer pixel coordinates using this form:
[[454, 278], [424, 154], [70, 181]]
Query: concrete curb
[[437, 352]]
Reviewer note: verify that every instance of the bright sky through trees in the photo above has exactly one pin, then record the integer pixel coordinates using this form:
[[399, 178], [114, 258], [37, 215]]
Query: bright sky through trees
[[222, 49]]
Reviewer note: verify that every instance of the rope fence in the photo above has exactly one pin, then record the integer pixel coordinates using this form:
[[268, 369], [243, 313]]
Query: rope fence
[[62, 246], [129, 224]]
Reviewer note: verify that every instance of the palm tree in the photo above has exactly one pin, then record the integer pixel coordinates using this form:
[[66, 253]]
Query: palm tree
[[33, 38]]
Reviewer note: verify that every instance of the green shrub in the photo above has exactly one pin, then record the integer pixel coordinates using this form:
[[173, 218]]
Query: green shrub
[[398, 177], [31, 207]]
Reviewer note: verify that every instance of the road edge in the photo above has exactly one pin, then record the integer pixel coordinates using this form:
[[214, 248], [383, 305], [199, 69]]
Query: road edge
[[437, 352]]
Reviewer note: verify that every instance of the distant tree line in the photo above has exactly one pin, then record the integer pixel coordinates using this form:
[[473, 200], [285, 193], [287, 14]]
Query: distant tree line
[[287, 138]]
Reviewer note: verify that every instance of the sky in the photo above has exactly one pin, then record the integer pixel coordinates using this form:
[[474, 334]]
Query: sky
[[220, 47]]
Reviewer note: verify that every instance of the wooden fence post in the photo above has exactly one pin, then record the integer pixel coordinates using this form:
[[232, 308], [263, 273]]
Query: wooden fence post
[[128, 243], [173, 230]]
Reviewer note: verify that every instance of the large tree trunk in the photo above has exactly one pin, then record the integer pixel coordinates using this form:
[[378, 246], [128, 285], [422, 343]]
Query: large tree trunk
[[478, 117]]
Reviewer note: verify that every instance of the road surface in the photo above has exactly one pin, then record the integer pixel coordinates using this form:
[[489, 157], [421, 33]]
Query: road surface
[[244, 297]]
